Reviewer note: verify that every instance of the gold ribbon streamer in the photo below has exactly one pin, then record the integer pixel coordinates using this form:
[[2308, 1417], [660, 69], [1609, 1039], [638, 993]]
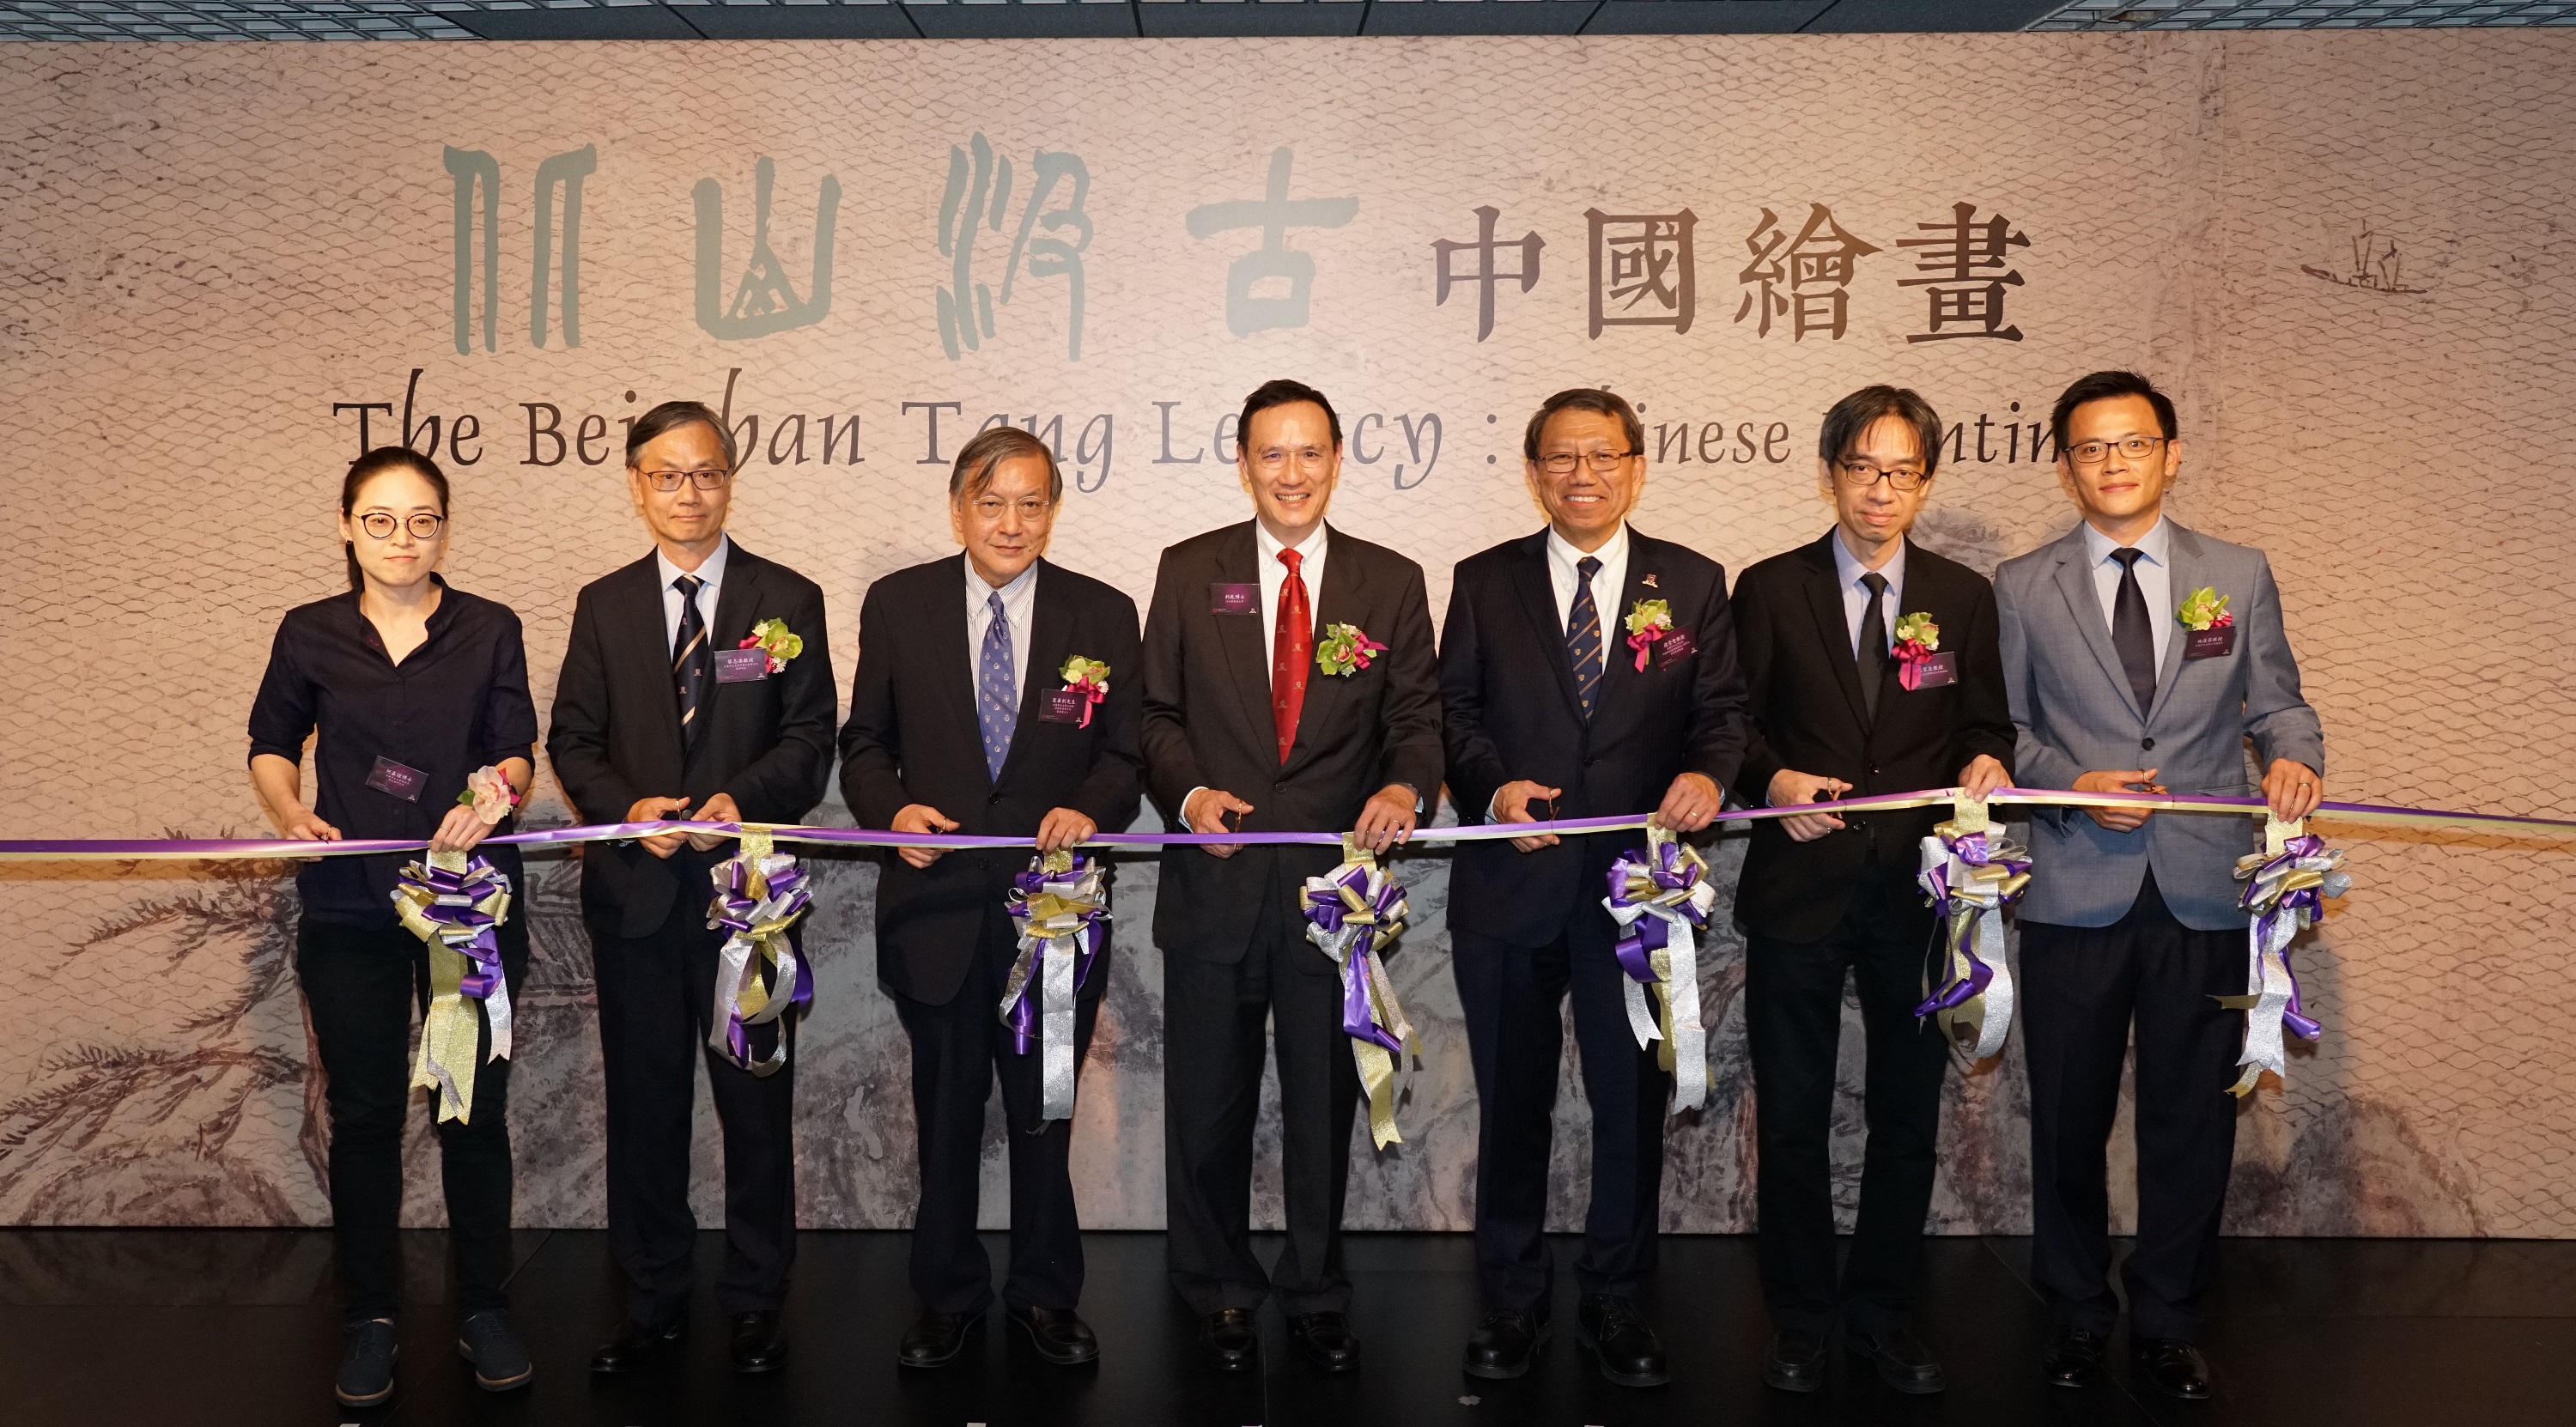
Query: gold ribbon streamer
[[451, 1031], [1355, 960]]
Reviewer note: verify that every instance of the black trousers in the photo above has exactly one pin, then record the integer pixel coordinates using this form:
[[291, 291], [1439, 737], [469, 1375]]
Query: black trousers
[[957, 1050], [1214, 1014], [656, 1004], [1793, 1001], [361, 985], [1513, 997], [2083, 987]]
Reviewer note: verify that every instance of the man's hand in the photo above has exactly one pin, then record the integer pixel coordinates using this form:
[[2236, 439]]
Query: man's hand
[[306, 825], [653, 810], [1388, 818], [1790, 788], [921, 817], [459, 830], [1511, 805], [2293, 789], [2118, 781], [1982, 776], [1061, 828], [1205, 812], [719, 809], [1691, 803]]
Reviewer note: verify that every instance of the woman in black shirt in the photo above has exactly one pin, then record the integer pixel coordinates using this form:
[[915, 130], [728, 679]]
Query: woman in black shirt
[[408, 689]]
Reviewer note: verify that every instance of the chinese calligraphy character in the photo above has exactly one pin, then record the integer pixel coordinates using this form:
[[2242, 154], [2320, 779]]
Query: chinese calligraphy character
[[765, 301], [476, 172], [1274, 213], [1815, 267], [1971, 270], [1485, 276], [1637, 257], [985, 200]]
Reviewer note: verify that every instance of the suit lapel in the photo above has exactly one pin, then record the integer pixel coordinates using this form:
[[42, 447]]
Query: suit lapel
[[1339, 602], [1619, 669], [649, 647], [952, 663], [737, 599], [1536, 586], [2084, 607], [1050, 632], [2184, 575], [1825, 603], [1238, 563]]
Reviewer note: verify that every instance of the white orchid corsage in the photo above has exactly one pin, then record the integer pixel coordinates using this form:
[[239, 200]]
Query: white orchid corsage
[[1087, 678], [1344, 650], [489, 794], [772, 638]]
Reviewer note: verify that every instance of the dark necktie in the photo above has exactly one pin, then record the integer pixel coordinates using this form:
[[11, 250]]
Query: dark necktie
[[997, 688], [1872, 650], [690, 661], [1583, 635], [1292, 649], [2131, 634]]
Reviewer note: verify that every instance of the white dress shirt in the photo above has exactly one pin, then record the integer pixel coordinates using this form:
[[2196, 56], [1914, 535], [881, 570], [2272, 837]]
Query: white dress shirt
[[711, 571], [1607, 581], [1274, 577], [1849, 569], [1019, 602], [2155, 580]]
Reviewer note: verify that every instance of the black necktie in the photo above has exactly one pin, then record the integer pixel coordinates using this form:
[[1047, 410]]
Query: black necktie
[[2131, 634], [1873, 643], [690, 662], [1583, 634]]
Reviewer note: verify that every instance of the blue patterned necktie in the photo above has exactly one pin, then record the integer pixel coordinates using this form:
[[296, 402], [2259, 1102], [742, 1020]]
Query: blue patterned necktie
[[1583, 635], [997, 705], [690, 661]]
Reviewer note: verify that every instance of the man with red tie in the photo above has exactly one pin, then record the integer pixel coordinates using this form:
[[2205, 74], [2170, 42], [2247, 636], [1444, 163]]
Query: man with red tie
[[1245, 730]]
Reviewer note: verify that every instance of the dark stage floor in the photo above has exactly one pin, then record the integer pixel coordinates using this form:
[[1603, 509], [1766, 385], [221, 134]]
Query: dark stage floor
[[240, 1326]]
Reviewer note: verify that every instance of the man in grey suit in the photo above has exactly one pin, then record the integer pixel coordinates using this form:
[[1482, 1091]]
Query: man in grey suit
[[2133, 917]]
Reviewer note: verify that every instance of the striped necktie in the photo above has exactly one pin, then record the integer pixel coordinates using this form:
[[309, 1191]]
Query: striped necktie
[[1583, 635], [690, 661]]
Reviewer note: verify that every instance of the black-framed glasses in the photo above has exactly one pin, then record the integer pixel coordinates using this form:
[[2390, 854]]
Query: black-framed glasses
[[2094, 453], [1861, 475], [380, 525], [706, 480], [1561, 463]]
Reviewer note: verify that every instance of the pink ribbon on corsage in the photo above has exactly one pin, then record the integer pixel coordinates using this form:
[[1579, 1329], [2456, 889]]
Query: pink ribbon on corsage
[[1092, 692], [1910, 655]]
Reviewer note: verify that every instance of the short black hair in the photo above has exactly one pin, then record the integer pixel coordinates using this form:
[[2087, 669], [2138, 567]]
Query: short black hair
[[990, 448], [1584, 398], [2102, 386], [1280, 391], [670, 416], [1857, 412]]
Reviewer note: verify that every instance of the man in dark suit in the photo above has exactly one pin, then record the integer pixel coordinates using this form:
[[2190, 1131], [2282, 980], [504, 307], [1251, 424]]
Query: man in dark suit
[[1244, 730], [660, 710], [1549, 711], [962, 720], [1823, 897]]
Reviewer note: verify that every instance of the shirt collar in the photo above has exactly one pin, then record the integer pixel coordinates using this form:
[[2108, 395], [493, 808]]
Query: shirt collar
[[1612, 554], [1309, 550], [711, 570], [1848, 569], [2156, 545], [978, 592]]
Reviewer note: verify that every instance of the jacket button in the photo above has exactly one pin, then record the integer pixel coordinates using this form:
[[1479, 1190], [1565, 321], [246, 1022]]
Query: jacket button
[[994, 799], [1873, 772], [1279, 787], [2146, 745]]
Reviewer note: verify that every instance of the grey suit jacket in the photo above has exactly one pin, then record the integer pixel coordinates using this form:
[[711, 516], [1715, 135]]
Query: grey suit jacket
[[2074, 712]]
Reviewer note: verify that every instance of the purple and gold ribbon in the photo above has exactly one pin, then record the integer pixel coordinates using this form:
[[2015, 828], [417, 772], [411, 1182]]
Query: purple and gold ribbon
[[1661, 898], [2285, 888], [1353, 913], [455, 905], [1061, 910], [1971, 872], [760, 892]]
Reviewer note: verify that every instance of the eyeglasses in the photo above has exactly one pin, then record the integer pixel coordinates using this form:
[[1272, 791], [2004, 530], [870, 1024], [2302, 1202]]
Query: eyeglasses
[[380, 526], [1309, 459], [991, 507], [2094, 453], [1861, 475], [704, 480], [1561, 463]]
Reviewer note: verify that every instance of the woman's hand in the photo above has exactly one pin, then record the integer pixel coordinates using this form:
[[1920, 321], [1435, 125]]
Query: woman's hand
[[460, 830]]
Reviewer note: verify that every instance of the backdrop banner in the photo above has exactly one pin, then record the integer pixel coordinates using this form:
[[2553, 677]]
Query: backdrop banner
[[229, 268]]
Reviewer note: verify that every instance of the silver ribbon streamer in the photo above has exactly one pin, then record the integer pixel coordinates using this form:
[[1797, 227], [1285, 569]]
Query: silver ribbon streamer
[[1058, 906]]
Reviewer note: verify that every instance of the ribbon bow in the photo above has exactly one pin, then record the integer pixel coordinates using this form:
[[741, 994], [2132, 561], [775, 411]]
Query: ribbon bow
[[454, 905], [1062, 912], [2285, 888], [1354, 913], [1661, 898], [1971, 872], [760, 892]]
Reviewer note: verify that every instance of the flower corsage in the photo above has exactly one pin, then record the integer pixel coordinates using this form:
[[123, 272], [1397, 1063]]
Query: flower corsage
[[1344, 650], [1917, 639], [1087, 679], [772, 638], [2205, 609], [1648, 621], [490, 795]]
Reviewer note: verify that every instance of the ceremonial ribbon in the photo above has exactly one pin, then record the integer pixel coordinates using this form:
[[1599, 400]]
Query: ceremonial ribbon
[[454, 906], [760, 892], [1060, 909], [1354, 912], [1971, 871], [2285, 885], [1661, 898]]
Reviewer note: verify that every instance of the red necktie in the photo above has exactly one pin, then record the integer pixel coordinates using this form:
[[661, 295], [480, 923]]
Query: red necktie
[[1291, 650]]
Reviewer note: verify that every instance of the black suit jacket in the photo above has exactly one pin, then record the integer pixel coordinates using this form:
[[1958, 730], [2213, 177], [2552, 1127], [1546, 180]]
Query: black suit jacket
[[1208, 724], [912, 738], [1511, 711], [616, 728], [1808, 715]]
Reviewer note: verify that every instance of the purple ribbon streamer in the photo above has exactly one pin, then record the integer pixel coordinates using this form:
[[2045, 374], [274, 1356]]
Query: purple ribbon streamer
[[2287, 904], [1329, 911], [1025, 1012], [1668, 871], [451, 900]]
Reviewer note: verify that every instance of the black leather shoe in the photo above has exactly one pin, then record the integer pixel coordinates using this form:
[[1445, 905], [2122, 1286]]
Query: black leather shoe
[[1325, 1340], [634, 1345], [935, 1339], [1797, 1361], [1504, 1344], [2175, 1366], [1227, 1337], [1060, 1335], [759, 1342], [2073, 1359], [366, 1363], [1617, 1334], [1903, 1362], [492, 1345]]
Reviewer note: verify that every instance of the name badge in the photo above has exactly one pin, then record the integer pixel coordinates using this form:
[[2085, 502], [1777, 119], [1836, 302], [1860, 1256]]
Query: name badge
[[1674, 647], [397, 779], [1934, 670], [742, 666], [1234, 599], [1062, 706], [2209, 643]]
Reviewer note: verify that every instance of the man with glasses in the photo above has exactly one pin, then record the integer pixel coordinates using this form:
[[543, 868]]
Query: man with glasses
[[668, 709], [1245, 730], [1551, 712], [2113, 657], [1825, 897]]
